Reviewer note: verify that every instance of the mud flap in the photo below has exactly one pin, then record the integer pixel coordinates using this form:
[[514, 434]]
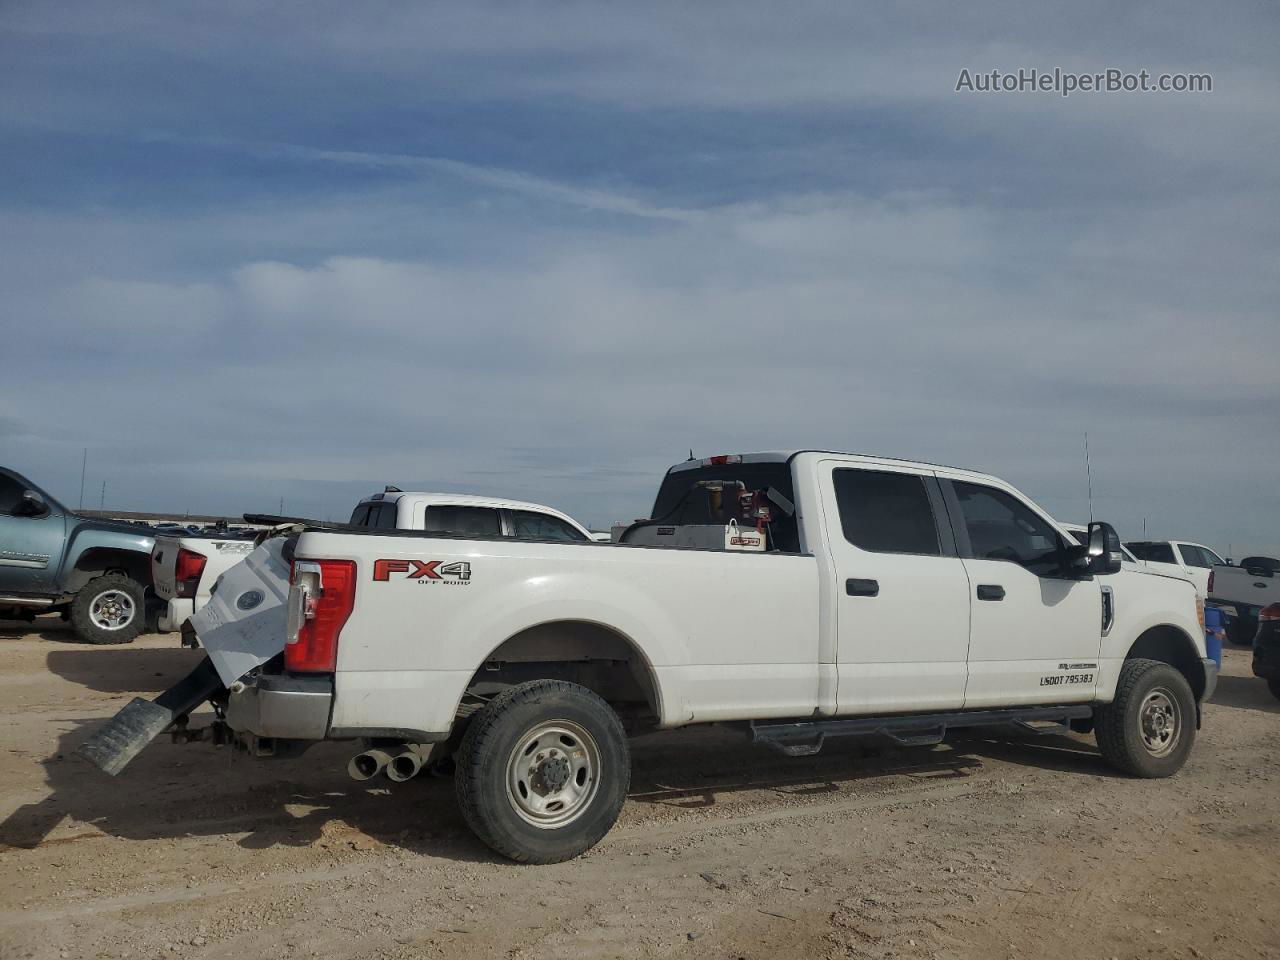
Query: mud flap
[[125, 734]]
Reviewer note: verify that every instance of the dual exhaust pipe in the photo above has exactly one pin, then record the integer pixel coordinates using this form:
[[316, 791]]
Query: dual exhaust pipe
[[398, 767]]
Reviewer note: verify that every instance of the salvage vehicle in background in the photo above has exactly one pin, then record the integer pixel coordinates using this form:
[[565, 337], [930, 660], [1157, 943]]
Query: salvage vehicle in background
[[1241, 591], [1190, 560], [1266, 647], [185, 568], [95, 572], [890, 598]]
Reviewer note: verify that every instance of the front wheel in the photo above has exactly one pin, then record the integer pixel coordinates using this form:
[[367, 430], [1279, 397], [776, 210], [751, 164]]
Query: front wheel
[[543, 771], [109, 609], [1148, 730]]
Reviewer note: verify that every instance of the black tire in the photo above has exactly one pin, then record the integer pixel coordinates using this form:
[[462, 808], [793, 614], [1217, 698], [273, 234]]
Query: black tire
[[583, 745], [1273, 684], [1153, 691], [88, 622]]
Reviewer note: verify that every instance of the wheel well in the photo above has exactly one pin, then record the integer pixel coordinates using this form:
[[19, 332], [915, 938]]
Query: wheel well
[[95, 562], [1172, 646], [590, 654]]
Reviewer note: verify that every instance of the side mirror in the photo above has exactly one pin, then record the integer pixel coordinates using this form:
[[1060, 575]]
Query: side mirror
[[33, 505], [1104, 554]]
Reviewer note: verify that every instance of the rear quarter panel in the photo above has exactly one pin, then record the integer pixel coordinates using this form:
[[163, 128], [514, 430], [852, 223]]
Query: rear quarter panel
[[725, 635]]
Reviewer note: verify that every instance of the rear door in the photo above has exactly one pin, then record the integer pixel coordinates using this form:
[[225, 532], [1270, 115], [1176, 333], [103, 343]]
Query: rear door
[[902, 597], [1035, 635]]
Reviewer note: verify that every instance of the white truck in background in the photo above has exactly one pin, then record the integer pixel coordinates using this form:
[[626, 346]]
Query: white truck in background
[[1241, 591], [894, 598], [1181, 558], [185, 568]]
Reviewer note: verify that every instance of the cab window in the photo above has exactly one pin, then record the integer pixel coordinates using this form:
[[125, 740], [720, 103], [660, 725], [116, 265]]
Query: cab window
[[360, 515], [527, 525], [1000, 527], [886, 512], [463, 521], [10, 495]]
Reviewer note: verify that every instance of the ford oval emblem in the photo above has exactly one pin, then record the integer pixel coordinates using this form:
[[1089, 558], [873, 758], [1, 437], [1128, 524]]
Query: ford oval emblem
[[249, 599]]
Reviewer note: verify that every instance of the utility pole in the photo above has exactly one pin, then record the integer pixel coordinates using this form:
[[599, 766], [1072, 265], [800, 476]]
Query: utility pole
[[84, 463], [102, 501], [282, 506]]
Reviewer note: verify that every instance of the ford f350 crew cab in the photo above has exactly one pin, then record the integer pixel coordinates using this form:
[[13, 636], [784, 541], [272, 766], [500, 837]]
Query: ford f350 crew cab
[[894, 598]]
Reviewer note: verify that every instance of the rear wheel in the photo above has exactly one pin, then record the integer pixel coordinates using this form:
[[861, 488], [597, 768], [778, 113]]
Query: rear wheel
[[543, 771], [109, 609], [1148, 730]]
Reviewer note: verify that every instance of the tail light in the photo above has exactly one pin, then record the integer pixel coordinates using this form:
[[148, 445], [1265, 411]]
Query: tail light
[[1211, 581], [186, 571], [321, 598], [1270, 612]]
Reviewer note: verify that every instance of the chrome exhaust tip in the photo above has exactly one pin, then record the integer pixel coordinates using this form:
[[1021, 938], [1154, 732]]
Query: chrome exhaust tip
[[369, 764]]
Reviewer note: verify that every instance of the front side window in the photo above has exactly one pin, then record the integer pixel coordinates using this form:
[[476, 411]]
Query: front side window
[[10, 495], [463, 521], [886, 512], [527, 525], [1193, 556], [1001, 527]]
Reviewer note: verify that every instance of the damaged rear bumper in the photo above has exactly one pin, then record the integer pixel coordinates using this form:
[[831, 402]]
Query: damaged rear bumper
[[284, 708]]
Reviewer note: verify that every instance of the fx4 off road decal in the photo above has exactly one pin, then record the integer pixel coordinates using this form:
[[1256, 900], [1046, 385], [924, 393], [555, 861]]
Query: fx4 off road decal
[[424, 571]]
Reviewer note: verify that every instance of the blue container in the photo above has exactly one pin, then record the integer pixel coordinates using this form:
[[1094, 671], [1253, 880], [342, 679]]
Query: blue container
[[1215, 632]]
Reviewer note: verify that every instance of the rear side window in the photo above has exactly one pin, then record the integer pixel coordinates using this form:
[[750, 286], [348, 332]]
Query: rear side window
[[527, 525], [360, 515], [463, 521], [886, 512], [1001, 527], [1153, 552]]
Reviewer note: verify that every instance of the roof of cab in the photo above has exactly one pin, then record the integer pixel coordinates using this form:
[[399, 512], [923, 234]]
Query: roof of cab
[[785, 456]]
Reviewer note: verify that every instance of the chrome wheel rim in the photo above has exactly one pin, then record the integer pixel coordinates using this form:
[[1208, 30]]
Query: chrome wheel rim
[[112, 610], [1160, 722], [553, 774]]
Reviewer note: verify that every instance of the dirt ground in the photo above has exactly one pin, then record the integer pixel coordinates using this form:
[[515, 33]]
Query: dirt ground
[[979, 849]]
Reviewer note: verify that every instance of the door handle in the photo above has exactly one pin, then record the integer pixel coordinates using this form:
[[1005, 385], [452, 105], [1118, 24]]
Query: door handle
[[862, 588], [990, 591]]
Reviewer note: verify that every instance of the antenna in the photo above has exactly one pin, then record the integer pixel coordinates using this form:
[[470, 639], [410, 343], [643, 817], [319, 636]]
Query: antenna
[[83, 464], [1088, 469]]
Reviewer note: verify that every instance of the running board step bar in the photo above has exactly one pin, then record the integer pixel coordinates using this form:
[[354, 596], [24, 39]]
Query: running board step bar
[[804, 738]]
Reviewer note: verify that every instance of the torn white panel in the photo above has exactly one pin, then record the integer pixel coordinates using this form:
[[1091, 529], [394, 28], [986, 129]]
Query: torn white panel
[[243, 624]]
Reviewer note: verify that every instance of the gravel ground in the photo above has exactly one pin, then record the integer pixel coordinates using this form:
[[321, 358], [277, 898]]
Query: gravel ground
[[977, 849]]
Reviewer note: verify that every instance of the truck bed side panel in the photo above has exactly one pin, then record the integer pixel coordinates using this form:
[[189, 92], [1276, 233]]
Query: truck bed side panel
[[727, 635]]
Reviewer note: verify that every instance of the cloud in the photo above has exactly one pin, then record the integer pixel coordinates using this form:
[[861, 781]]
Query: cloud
[[544, 253]]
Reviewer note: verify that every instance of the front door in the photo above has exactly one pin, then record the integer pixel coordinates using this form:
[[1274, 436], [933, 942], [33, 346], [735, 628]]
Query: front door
[[902, 597], [30, 547], [1035, 635]]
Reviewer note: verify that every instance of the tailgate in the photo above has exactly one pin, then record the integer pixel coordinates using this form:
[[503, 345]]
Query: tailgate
[[243, 624], [164, 556]]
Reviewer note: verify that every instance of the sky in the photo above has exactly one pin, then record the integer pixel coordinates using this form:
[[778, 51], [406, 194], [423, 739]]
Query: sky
[[253, 252]]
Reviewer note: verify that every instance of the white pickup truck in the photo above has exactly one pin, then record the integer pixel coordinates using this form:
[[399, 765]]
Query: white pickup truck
[[1241, 591], [185, 568], [895, 598]]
